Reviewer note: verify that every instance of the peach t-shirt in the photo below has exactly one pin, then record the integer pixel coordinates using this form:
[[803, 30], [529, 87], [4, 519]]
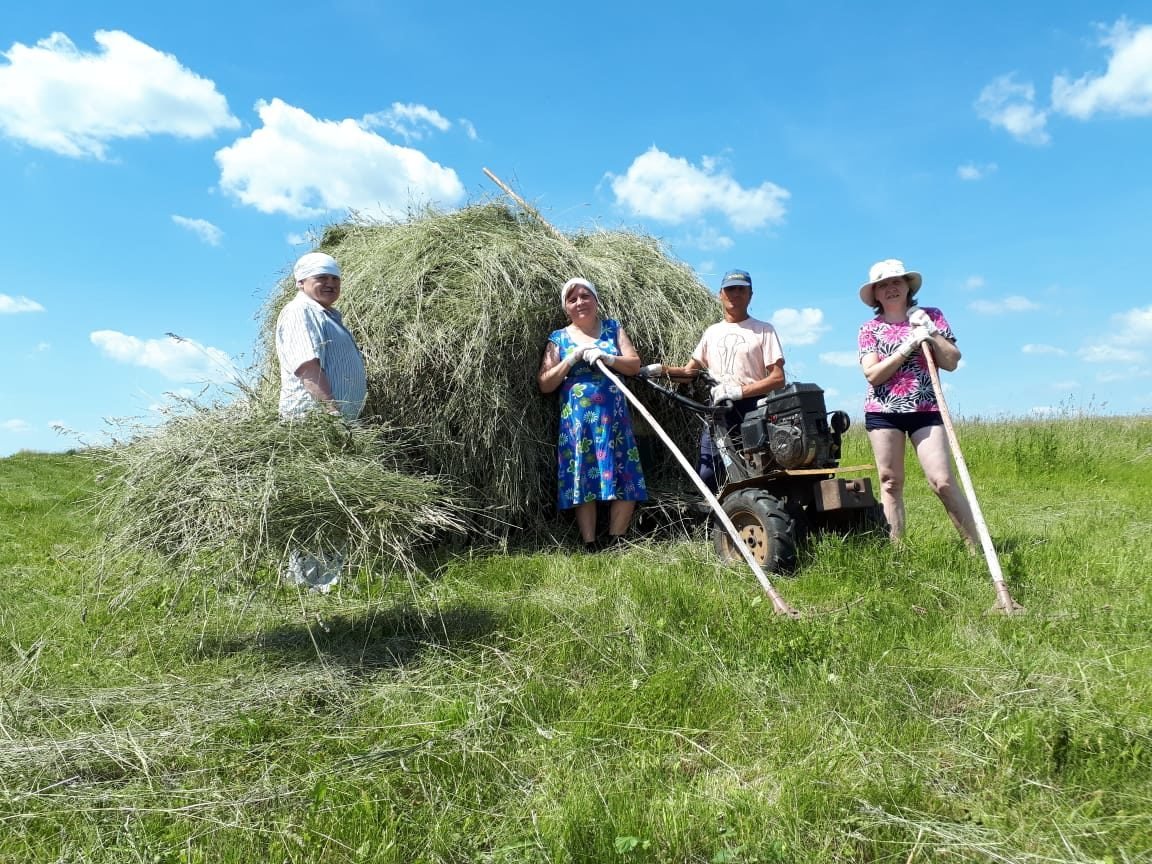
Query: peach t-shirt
[[739, 353]]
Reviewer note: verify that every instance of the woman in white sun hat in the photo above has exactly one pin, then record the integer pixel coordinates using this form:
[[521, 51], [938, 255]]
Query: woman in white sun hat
[[901, 402]]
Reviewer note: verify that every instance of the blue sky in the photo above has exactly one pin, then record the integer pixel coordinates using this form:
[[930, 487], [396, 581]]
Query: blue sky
[[163, 164]]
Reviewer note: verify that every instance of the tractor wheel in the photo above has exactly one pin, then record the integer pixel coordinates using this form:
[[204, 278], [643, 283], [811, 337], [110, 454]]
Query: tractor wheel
[[764, 525]]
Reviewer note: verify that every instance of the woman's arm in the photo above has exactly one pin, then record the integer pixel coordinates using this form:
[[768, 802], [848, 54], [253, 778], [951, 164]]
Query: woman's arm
[[945, 351], [553, 368], [313, 379], [878, 370], [628, 361]]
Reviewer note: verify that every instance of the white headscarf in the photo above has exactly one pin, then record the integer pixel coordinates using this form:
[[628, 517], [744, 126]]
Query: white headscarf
[[313, 264], [572, 283]]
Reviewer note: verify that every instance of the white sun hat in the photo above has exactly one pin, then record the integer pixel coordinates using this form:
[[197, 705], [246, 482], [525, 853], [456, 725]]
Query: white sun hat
[[887, 269]]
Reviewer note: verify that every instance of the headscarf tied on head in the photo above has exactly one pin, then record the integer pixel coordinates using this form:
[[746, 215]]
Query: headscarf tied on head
[[315, 264], [572, 283]]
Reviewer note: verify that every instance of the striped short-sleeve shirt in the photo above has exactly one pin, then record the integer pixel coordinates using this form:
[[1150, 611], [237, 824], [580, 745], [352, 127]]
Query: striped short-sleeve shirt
[[305, 331]]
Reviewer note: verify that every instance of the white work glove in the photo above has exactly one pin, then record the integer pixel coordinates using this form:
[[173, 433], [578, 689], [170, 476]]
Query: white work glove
[[727, 391], [910, 345], [591, 355], [652, 370], [573, 357], [917, 317]]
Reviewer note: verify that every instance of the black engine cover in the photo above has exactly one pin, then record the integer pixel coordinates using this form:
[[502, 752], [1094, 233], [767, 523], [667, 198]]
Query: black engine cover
[[795, 415]]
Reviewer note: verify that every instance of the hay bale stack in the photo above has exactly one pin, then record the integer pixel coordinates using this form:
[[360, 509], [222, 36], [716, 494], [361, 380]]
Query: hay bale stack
[[232, 486], [452, 311]]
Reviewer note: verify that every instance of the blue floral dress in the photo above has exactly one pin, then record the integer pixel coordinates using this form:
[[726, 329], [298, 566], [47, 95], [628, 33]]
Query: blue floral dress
[[597, 455]]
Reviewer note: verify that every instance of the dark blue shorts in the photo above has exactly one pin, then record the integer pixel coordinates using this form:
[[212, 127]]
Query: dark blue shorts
[[907, 423]]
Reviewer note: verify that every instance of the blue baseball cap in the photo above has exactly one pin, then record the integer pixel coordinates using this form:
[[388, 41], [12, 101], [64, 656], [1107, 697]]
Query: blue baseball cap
[[736, 277]]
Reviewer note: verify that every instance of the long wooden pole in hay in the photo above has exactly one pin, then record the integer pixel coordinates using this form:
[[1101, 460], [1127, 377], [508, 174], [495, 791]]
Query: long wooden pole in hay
[[779, 605]]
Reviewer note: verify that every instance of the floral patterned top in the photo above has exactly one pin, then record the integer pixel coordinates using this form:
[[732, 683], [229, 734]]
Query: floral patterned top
[[597, 457], [910, 389]]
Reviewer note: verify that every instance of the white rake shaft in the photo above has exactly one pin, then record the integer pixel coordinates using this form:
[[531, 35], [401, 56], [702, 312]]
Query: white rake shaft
[[779, 605], [1004, 599]]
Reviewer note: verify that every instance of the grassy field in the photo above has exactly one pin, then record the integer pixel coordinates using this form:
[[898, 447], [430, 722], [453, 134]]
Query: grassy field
[[642, 706]]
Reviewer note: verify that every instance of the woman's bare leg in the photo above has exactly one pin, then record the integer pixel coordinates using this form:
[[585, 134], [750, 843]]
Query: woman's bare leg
[[935, 457], [586, 521], [620, 517], [888, 449]]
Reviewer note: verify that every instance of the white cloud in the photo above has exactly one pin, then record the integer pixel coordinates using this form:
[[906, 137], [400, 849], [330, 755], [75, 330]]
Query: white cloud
[[1031, 348], [203, 229], [1130, 333], [847, 359], [15, 425], [173, 399], [1106, 353], [1129, 374], [16, 305], [671, 189], [302, 166], [973, 283], [469, 128], [175, 358], [1010, 105], [1003, 305], [1065, 385], [408, 121], [708, 239], [972, 171], [1124, 89], [42, 347], [55, 97], [1133, 327], [799, 326]]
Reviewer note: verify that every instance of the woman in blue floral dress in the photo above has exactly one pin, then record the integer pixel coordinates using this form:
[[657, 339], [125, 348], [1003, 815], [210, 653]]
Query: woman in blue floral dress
[[597, 455]]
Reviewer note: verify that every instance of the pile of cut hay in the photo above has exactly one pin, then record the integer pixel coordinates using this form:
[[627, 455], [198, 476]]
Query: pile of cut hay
[[235, 486], [452, 312]]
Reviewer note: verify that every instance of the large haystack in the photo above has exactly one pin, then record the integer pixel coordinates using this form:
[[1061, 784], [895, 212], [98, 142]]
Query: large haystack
[[452, 311]]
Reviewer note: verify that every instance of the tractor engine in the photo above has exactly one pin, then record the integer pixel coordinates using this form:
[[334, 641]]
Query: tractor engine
[[791, 428]]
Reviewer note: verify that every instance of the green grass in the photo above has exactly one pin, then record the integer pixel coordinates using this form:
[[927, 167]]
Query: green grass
[[636, 707]]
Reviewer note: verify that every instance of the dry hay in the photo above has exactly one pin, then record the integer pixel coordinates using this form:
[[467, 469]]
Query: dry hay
[[452, 311], [234, 485]]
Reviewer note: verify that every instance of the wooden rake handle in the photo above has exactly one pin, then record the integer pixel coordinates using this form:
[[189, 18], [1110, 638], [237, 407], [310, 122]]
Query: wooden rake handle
[[779, 605], [1004, 601]]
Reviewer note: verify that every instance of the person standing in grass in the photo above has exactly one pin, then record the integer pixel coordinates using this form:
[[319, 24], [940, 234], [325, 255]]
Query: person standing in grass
[[320, 364], [321, 368], [597, 455], [742, 354], [901, 401]]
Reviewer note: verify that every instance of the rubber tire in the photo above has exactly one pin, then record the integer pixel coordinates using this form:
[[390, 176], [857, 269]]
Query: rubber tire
[[765, 527]]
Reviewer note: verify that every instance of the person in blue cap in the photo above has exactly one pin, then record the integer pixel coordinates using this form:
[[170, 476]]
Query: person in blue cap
[[743, 355]]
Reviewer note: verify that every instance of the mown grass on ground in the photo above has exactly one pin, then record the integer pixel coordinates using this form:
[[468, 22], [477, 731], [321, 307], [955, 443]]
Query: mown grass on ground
[[635, 707]]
